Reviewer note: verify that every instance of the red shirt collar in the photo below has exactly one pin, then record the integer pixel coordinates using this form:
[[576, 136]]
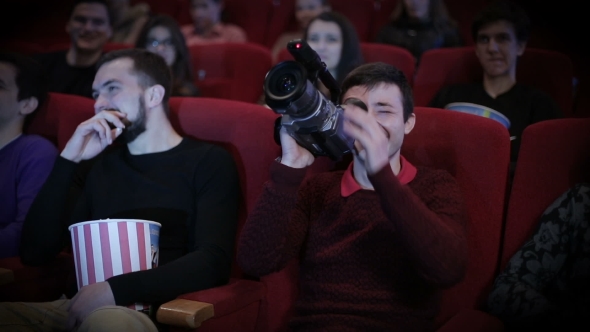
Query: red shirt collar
[[349, 186]]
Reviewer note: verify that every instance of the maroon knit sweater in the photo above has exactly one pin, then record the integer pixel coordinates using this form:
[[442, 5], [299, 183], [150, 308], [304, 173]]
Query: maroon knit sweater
[[373, 261]]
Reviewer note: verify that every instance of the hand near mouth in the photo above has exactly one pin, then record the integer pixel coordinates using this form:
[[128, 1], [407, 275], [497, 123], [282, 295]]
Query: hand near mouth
[[94, 135]]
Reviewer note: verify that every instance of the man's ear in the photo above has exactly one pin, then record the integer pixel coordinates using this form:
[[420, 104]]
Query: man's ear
[[521, 48], [155, 95], [28, 105], [409, 125], [109, 32]]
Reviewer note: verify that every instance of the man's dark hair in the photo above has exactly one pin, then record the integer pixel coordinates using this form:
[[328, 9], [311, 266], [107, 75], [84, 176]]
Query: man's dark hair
[[503, 10], [150, 68], [371, 75], [30, 79], [102, 2]]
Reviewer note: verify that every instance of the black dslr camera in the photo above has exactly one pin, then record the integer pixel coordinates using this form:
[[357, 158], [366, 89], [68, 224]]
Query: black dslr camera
[[308, 116]]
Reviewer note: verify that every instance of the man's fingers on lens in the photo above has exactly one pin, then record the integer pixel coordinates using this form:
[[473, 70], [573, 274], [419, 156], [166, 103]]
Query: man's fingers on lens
[[356, 103]]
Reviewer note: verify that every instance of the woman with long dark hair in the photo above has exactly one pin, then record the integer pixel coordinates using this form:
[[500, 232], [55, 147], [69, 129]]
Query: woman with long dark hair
[[162, 35], [335, 40]]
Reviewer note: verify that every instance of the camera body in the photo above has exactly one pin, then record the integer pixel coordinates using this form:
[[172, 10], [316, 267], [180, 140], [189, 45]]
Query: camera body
[[313, 120]]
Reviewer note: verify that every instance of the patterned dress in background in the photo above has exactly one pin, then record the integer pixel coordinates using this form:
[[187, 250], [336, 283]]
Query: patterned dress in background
[[546, 284]]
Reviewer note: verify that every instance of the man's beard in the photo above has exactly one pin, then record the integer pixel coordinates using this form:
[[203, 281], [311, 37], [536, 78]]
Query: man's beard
[[137, 127]]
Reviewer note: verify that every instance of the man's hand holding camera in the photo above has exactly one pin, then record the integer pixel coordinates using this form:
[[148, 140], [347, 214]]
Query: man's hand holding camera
[[94, 135], [371, 139], [294, 155]]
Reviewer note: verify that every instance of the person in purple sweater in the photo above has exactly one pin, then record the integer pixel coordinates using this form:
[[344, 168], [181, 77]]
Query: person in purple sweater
[[25, 160], [377, 242]]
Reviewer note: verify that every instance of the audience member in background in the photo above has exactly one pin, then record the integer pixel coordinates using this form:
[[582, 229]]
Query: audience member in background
[[162, 35], [207, 26], [420, 25], [305, 11], [500, 32], [546, 284], [375, 243], [72, 71], [190, 187], [128, 20], [25, 160], [335, 40]]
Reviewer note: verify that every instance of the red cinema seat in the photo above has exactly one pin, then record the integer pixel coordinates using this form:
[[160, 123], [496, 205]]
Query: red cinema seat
[[246, 131], [446, 66], [112, 46], [175, 8], [554, 155], [393, 55], [47, 119], [360, 13], [252, 16], [476, 151], [281, 19], [233, 71]]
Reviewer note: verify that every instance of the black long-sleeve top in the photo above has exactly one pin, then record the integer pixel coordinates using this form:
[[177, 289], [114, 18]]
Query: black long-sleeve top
[[192, 190]]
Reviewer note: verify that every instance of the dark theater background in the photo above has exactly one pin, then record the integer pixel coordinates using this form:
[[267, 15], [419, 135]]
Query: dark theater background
[[557, 25]]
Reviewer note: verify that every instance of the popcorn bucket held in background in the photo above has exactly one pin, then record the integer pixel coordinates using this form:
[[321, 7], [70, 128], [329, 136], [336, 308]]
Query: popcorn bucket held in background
[[109, 247], [480, 110]]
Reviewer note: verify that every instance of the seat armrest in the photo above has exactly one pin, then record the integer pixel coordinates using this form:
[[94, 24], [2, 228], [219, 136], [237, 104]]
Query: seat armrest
[[185, 313], [191, 309], [473, 321], [6, 276]]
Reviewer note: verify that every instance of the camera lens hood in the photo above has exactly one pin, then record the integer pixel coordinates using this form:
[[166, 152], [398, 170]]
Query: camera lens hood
[[285, 82]]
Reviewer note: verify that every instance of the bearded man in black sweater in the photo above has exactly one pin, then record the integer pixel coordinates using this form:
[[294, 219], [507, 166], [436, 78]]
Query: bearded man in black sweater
[[191, 188]]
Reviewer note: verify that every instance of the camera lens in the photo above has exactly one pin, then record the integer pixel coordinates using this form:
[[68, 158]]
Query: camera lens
[[287, 83], [284, 81], [287, 90]]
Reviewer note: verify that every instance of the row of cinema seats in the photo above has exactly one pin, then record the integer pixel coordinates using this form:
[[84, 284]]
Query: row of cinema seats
[[265, 20], [237, 71], [554, 155]]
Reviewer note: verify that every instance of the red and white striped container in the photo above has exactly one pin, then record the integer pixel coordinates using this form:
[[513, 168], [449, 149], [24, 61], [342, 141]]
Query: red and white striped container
[[109, 247]]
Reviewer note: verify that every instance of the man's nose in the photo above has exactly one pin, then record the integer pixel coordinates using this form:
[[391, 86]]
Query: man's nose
[[101, 104], [88, 25], [492, 45]]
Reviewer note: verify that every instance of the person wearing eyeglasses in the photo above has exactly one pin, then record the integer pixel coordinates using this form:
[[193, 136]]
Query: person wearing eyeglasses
[[72, 70], [162, 35]]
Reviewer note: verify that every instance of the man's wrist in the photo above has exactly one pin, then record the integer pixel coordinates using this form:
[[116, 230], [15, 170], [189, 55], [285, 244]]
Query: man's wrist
[[67, 156], [297, 163]]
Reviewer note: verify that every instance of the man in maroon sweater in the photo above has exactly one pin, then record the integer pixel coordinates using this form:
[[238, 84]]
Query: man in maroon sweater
[[377, 242]]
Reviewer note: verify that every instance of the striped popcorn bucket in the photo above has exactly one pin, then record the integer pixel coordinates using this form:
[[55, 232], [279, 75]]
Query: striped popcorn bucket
[[109, 247]]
